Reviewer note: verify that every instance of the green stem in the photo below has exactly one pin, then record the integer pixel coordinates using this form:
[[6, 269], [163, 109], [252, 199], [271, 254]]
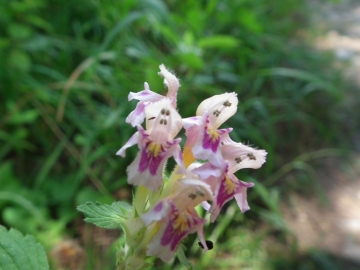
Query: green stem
[[170, 184], [140, 199]]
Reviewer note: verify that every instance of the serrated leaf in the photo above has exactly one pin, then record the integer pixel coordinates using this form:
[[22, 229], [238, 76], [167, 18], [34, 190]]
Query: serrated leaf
[[124, 206], [18, 252], [104, 215]]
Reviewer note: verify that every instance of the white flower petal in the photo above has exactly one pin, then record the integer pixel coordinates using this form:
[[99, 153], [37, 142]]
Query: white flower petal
[[156, 113], [189, 170], [171, 82], [241, 156], [158, 250], [132, 141], [192, 121], [136, 117], [145, 95], [190, 193], [220, 108], [206, 205], [157, 213], [241, 198], [178, 157], [207, 170]]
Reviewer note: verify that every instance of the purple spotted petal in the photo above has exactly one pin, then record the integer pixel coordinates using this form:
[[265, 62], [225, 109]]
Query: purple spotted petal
[[189, 223], [147, 168], [228, 188]]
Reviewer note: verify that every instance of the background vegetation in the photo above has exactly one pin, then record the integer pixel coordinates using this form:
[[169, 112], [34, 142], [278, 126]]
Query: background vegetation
[[67, 67]]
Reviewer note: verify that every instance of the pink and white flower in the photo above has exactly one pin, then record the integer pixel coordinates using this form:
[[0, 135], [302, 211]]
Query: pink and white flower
[[173, 218], [160, 220], [202, 132], [222, 179], [226, 187], [156, 145], [147, 97]]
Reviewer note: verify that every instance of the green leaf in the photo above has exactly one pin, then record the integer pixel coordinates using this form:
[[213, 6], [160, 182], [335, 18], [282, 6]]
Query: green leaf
[[19, 252], [89, 194], [269, 197], [23, 117], [104, 215], [249, 20], [20, 60], [19, 31], [180, 253], [192, 60], [275, 219], [218, 41]]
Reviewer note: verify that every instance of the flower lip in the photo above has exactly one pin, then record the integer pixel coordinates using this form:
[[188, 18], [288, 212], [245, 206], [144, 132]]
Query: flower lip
[[162, 120], [220, 108], [173, 227], [190, 193], [241, 156], [204, 140], [148, 166], [230, 187]]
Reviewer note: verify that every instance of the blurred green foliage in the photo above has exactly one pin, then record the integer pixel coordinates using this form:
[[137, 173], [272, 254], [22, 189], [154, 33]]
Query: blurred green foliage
[[67, 67]]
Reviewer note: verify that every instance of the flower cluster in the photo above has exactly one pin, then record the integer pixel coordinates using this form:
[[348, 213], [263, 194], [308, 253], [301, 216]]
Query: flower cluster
[[205, 171]]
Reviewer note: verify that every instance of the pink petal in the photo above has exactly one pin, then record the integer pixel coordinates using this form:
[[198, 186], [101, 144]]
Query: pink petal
[[175, 226], [132, 141], [157, 213], [229, 187], [178, 157], [201, 237], [173, 235], [145, 95], [136, 117], [147, 168], [171, 82], [145, 177], [241, 197], [211, 174], [207, 146], [207, 170]]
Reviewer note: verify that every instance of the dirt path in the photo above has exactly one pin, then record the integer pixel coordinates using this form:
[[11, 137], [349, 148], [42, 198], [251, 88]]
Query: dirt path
[[341, 23], [334, 227]]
